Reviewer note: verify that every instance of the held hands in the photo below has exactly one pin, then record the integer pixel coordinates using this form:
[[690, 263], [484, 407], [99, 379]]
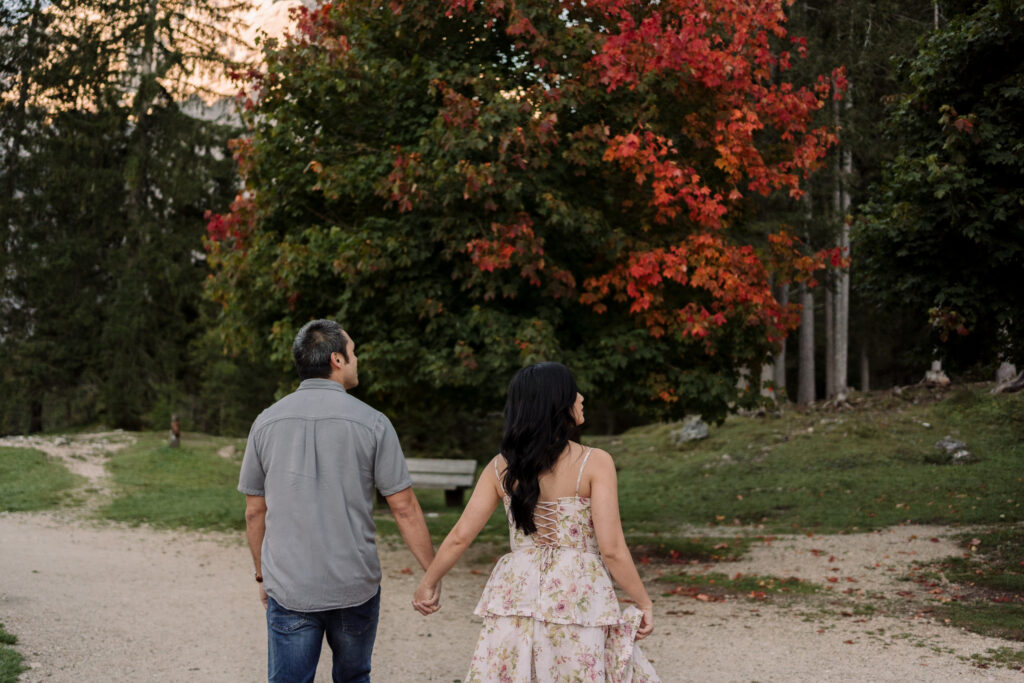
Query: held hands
[[427, 599]]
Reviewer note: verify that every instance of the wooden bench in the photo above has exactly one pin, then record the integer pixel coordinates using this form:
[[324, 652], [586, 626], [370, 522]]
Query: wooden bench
[[454, 476]]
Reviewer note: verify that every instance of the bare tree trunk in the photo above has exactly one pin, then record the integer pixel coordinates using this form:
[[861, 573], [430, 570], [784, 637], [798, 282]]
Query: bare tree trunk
[[805, 389], [35, 416], [779, 367], [865, 369], [842, 340], [837, 303], [764, 382], [830, 337]]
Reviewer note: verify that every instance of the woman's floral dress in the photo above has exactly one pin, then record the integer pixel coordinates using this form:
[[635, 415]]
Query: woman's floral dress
[[549, 609]]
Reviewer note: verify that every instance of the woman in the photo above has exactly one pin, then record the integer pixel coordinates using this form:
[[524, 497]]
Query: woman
[[549, 608]]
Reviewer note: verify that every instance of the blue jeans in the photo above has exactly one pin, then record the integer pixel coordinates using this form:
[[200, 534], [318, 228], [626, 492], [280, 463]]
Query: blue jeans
[[294, 640]]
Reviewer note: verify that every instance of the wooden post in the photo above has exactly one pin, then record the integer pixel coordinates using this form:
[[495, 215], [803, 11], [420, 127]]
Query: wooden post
[[175, 432]]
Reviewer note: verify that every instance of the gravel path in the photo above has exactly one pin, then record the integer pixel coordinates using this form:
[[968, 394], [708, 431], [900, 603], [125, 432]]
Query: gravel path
[[101, 602]]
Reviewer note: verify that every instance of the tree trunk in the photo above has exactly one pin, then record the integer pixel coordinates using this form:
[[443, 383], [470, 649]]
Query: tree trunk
[[865, 369], [842, 340], [805, 389], [830, 337], [779, 366], [35, 416], [765, 380]]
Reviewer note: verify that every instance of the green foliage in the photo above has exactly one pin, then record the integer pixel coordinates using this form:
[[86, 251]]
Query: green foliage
[[106, 176], [944, 233], [11, 661], [387, 150], [29, 480]]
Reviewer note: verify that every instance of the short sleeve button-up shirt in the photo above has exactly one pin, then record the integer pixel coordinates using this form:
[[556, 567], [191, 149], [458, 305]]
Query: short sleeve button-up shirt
[[317, 455]]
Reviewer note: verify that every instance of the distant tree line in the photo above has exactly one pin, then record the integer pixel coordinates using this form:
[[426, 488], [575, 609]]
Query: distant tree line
[[108, 168]]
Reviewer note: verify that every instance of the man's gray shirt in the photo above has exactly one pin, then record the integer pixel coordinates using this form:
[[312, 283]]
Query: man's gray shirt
[[317, 455]]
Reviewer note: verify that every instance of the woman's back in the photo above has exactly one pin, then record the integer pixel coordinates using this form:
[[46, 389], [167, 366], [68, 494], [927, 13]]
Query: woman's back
[[562, 514], [566, 478]]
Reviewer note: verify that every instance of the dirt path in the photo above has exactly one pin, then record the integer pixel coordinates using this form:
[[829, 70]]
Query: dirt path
[[95, 602]]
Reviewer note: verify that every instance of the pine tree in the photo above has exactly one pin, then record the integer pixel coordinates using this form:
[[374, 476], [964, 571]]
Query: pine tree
[[104, 215]]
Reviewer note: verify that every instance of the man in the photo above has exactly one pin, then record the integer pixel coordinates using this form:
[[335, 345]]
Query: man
[[311, 465]]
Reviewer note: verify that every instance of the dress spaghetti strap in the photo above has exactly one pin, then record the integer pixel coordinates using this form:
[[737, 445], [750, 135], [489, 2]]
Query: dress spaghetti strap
[[498, 476], [579, 477]]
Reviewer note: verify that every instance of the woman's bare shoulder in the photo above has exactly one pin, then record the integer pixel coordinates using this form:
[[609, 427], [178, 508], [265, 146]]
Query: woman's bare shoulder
[[599, 457]]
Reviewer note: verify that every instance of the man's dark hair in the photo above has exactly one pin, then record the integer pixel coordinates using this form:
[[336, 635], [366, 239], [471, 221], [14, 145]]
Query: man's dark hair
[[313, 346]]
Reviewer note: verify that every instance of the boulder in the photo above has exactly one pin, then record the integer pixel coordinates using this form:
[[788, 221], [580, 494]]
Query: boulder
[[956, 449], [692, 429]]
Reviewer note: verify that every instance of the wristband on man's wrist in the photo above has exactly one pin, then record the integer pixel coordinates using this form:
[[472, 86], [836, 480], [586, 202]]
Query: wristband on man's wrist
[[259, 577]]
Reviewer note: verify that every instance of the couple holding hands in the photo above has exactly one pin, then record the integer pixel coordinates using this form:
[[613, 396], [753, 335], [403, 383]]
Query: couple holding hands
[[312, 463]]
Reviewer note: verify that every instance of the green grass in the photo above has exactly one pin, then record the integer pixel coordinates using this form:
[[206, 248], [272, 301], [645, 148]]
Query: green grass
[[749, 585], [10, 659], [441, 519], [29, 480], [990, 619], [647, 547], [996, 563], [190, 487], [827, 471], [821, 471], [989, 579], [1001, 656]]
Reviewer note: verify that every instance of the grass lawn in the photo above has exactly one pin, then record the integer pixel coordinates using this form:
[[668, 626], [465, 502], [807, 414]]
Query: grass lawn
[[30, 480], [10, 660], [824, 471], [827, 471], [191, 486]]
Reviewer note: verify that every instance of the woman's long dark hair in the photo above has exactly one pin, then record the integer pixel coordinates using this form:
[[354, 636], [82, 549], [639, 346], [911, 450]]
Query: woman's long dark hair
[[538, 426]]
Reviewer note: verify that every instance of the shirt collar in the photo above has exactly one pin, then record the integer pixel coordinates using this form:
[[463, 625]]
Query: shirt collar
[[320, 383]]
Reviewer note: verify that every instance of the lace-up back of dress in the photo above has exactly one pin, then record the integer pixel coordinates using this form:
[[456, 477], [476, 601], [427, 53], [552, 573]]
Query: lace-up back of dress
[[563, 522]]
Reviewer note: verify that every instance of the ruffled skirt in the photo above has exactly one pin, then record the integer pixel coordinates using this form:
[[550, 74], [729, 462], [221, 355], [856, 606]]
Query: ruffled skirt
[[551, 615], [517, 649]]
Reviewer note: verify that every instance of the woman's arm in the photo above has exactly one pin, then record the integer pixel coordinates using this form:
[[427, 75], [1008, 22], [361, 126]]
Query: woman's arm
[[604, 504], [479, 509]]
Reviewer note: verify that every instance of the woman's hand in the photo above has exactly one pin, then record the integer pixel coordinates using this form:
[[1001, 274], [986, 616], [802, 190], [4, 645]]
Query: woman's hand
[[647, 623], [427, 599]]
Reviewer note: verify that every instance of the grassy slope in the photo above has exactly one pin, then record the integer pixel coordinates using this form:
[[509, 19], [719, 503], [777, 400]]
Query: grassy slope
[[829, 471], [29, 480]]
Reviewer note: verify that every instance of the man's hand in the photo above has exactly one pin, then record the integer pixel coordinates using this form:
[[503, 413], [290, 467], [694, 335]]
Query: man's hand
[[427, 599], [263, 595]]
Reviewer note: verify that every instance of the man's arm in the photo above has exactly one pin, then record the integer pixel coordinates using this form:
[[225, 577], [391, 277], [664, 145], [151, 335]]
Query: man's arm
[[255, 529], [413, 526]]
